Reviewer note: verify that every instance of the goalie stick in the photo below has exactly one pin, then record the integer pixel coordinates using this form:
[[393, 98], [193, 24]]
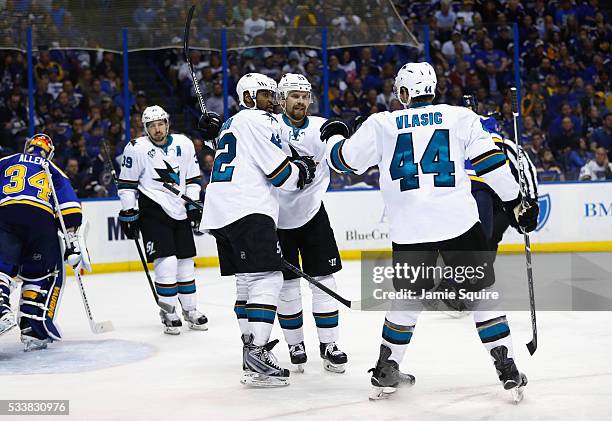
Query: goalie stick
[[169, 308], [354, 304], [533, 344], [96, 327]]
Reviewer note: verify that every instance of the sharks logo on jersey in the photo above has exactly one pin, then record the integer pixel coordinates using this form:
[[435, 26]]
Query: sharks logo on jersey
[[168, 174]]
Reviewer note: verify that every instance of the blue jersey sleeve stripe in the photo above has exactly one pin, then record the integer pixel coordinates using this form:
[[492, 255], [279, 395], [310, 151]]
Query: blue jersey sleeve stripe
[[490, 164], [280, 174], [338, 160]]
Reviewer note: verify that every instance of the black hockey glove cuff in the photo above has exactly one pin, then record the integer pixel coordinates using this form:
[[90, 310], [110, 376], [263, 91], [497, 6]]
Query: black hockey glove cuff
[[333, 127], [307, 166], [209, 125], [194, 214], [523, 216], [130, 222]]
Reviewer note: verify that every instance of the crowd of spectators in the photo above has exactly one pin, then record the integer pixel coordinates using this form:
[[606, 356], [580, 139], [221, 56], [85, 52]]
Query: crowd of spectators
[[564, 69]]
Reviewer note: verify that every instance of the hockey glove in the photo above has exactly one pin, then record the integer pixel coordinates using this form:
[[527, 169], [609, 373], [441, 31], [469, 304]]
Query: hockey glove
[[523, 216], [359, 120], [306, 165], [209, 125], [333, 127], [194, 215], [130, 224]]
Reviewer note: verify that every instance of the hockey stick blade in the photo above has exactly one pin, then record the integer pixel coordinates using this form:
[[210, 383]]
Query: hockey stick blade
[[103, 327], [194, 78], [186, 35], [355, 305]]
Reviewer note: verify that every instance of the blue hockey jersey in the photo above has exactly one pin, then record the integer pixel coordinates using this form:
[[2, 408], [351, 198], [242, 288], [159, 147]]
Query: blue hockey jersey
[[23, 183]]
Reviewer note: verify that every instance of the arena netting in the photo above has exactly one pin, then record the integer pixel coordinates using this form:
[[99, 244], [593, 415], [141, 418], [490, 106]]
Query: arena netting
[[158, 24]]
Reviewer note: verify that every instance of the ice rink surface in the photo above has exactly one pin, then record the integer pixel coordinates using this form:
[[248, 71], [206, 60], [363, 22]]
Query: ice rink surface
[[139, 373]]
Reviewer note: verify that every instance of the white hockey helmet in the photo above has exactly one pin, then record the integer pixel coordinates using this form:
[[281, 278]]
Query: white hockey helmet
[[418, 78], [154, 113], [293, 82], [251, 83]]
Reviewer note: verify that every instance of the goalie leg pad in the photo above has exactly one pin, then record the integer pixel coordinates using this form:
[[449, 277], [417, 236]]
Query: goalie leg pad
[[39, 304]]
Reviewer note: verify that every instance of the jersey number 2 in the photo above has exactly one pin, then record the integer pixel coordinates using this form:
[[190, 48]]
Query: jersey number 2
[[226, 157], [435, 160]]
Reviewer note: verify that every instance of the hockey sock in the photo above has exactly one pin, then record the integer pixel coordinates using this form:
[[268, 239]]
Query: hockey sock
[[290, 311], [264, 289], [397, 332], [325, 310], [165, 279], [242, 295], [493, 330], [185, 276]]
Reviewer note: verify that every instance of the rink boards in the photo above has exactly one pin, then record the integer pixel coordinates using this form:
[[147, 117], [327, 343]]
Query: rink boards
[[573, 217]]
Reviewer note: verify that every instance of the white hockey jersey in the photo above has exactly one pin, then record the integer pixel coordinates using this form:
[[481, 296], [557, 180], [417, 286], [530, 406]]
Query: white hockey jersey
[[249, 166], [299, 207], [145, 167], [420, 152]]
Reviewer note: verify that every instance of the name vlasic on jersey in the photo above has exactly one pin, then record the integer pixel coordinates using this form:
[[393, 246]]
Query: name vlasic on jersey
[[24, 183], [420, 152], [299, 207]]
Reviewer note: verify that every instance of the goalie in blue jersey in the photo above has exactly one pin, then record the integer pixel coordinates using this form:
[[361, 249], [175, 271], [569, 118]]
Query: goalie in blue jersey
[[30, 247]]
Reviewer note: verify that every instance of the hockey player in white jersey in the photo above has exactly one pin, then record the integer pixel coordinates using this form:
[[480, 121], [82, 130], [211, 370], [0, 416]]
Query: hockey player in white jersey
[[420, 152], [304, 230], [241, 212], [164, 219]]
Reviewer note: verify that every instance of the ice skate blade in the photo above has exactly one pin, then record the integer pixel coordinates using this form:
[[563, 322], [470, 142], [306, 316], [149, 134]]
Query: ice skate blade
[[172, 330], [30, 345], [334, 368], [252, 379], [194, 326], [379, 393], [7, 322], [517, 394], [298, 368]]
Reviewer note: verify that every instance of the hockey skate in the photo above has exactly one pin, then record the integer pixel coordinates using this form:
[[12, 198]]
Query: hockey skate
[[172, 322], [7, 317], [333, 358], [508, 374], [195, 320], [263, 370], [298, 356], [386, 376]]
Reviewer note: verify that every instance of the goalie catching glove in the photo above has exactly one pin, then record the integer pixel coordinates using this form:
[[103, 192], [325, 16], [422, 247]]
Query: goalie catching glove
[[523, 215], [209, 125]]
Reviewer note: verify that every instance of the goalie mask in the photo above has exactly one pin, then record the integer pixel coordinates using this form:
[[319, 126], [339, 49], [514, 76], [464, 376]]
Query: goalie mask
[[252, 83], [39, 145]]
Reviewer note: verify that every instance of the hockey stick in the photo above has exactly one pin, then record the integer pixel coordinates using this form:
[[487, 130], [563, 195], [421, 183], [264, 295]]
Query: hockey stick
[[169, 308], [531, 346], [194, 78], [101, 327], [355, 305]]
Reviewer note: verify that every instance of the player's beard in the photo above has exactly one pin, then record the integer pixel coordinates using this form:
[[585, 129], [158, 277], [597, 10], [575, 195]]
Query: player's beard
[[297, 114], [159, 138]]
